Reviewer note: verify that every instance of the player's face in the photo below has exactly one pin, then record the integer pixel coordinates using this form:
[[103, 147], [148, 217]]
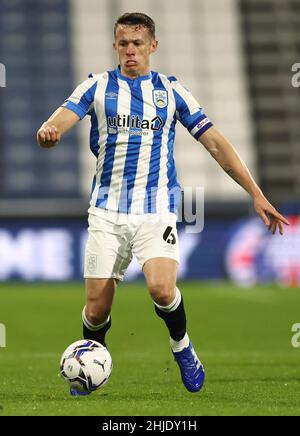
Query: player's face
[[134, 46]]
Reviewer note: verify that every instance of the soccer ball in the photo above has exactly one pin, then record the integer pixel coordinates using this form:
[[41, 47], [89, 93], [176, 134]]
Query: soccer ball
[[86, 365]]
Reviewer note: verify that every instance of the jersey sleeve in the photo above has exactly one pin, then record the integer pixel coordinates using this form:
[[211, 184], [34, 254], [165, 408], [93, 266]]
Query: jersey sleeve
[[188, 110], [82, 99]]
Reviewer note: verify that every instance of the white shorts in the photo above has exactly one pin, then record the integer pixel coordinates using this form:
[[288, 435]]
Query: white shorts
[[114, 238]]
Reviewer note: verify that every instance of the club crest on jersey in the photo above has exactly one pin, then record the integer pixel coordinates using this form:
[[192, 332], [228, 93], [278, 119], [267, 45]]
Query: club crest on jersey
[[160, 98]]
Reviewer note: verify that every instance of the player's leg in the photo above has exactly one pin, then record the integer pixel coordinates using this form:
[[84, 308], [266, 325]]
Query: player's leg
[[96, 314], [160, 275], [96, 318], [107, 257], [156, 248]]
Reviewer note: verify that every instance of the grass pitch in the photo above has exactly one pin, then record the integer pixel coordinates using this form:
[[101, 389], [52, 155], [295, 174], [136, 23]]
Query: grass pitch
[[242, 336]]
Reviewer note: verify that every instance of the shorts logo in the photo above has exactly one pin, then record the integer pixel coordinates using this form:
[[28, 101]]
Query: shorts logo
[[160, 98], [92, 263], [169, 237]]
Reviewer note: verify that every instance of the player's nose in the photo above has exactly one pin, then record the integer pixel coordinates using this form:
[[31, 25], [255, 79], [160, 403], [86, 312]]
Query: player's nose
[[130, 50]]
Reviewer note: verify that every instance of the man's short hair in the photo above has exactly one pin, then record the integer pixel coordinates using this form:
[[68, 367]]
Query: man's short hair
[[135, 19]]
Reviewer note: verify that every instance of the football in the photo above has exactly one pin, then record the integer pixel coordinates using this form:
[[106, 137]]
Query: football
[[86, 365]]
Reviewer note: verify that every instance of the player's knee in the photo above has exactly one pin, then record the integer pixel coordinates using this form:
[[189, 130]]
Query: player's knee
[[161, 293]]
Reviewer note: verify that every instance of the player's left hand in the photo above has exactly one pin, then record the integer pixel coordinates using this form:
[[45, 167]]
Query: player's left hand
[[269, 215]]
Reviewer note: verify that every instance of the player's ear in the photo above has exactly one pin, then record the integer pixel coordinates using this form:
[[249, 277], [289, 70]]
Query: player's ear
[[154, 45]]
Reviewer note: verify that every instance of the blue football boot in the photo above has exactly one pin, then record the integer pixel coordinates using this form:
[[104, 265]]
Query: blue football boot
[[75, 393], [192, 371]]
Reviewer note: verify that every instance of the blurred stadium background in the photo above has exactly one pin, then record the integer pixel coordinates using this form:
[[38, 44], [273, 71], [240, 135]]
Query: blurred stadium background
[[235, 55]]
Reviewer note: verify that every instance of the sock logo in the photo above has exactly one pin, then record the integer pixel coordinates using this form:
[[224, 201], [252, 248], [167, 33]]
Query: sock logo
[[169, 237]]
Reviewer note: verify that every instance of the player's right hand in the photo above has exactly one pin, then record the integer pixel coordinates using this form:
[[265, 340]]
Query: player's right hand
[[48, 136]]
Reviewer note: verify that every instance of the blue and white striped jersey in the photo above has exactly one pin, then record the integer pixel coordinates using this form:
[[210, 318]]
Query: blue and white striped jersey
[[132, 136]]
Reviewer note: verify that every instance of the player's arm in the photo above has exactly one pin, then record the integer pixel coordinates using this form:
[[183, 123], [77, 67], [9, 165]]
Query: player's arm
[[228, 158], [59, 123]]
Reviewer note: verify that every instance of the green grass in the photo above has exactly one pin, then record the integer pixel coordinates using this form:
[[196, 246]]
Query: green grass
[[242, 336]]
